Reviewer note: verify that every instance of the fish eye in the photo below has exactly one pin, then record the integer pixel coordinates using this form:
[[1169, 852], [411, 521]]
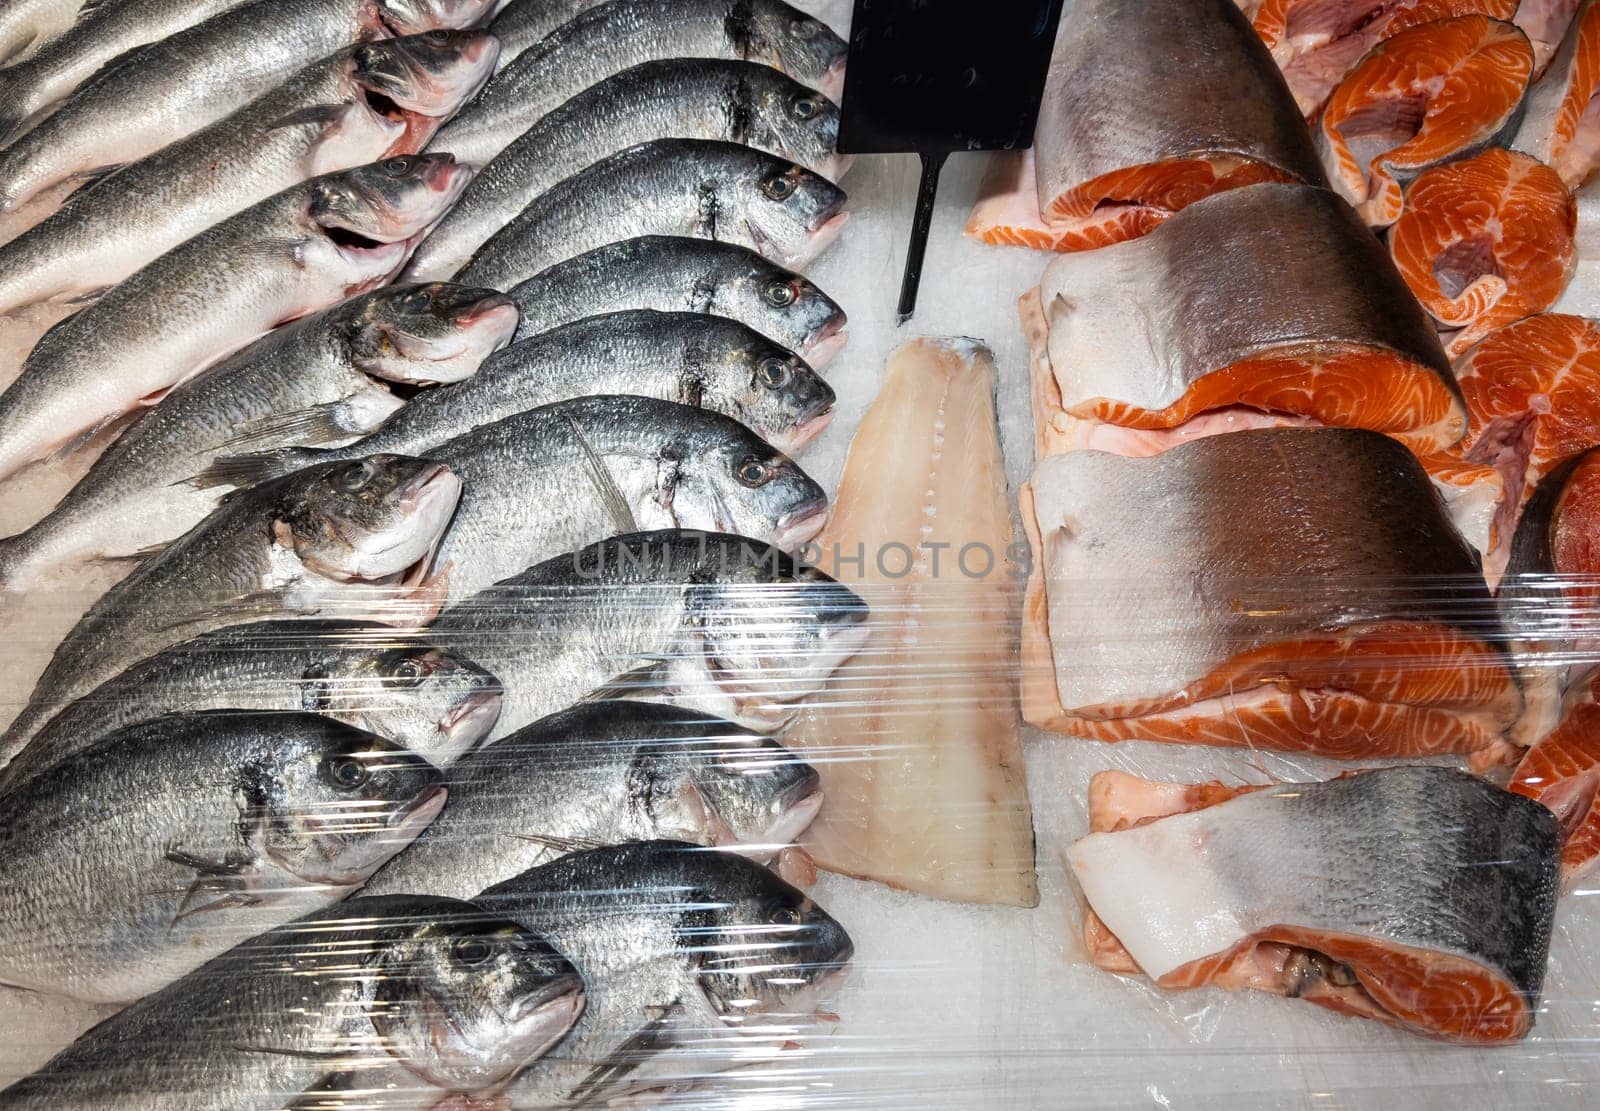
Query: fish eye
[[398, 167], [354, 479], [782, 294], [805, 28], [804, 107], [408, 672], [418, 300], [753, 472], [471, 950], [785, 915], [347, 772], [775, 373], [439, 38], [778, 187]]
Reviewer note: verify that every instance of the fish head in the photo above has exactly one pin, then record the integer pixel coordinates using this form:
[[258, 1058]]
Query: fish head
[[429, 334], [774, 392], [759, 793], [466, 1000], [374, 520], [784, 115], [787, 307], [791, 213], [726, 477], [386, 203], [432, 74], [788, 39], [412, 17], [338, 802]]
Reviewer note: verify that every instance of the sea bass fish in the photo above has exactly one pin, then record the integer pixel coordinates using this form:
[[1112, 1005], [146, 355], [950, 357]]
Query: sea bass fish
[[675, 274], [605, 773], [26, 25], [406, 992], [678, 187], [135, 861], [299, 251], [724, 624], [197, 77], [610, 38], [361, 105], [736, 102], [324, 379], [521, 23], [1422, 897]]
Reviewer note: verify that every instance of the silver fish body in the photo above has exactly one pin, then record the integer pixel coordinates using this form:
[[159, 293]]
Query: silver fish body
[[737, 102], [609, 38], [134, 862], [404, 992], [522, 23], [605, 773], [26, 25], [676, 187]]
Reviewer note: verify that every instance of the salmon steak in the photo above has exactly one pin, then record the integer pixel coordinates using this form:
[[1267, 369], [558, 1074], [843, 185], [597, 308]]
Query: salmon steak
[[1562, 771], [1107, 164], [1561, 123], [1422, 897], [1485, 242], [1432, 93], [1299, 589], [1317, 42], [1147, 334]]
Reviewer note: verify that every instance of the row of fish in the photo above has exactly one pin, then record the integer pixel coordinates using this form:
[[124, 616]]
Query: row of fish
[[448, 353]]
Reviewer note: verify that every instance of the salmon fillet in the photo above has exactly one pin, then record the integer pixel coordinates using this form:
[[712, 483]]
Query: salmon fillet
[[1432, 93], [1485, 242], [1420, 897], [1561, 124], [1562, 771]]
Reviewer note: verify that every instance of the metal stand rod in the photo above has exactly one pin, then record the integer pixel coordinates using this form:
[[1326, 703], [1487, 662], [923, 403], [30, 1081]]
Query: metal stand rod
[[927, 191]]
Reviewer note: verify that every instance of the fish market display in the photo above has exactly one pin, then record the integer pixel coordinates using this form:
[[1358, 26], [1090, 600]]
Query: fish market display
[[725, 624], [299, 251], [610, 38], [1435, 92], [736, 102], [1485, 242], [419, 997], [324, 119], [1561, 124], [133, 862], [1562, 771], [1422, 897], [672, 187], [694, 960], [26, 25], [917, 739], [1108, 165], [324, 379], [1304, 587], [346, 540], [198, 76], [606, 773], [430, 700], [1144, 335], [671, 274]]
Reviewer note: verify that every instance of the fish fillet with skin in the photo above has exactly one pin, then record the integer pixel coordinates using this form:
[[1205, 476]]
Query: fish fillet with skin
[[1146, 334], [1421, 897], [1431, 94], [1486, 242], [1546, 23], [917, 739], [1562, 771], [1561, 124], [1299, 589], [1109, 165]]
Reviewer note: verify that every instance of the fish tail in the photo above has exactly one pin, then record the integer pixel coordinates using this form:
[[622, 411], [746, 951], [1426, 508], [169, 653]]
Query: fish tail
[[247, 470]]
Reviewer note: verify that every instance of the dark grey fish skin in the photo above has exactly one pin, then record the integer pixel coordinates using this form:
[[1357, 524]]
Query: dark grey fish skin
[[323, 379], [522, 23], [610, 38], [1533, 544], [674, 274], [137, 860], [680, 946], [369, 983], [681, 187], [724, 624], [27, 25], [429, 700], [737, 102], [605, 773], [347, 540]]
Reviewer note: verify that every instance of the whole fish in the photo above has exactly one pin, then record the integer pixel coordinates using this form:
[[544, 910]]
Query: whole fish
[[692, 958], [736, 102], [135, 861], [726, 624], [304, 249], [521, 23], [348, 539], [361, 105], [427, 699], [175, 87], [705, 190], [323, 379], [676, 274], [25, 25], [609, 38], [405, 991]]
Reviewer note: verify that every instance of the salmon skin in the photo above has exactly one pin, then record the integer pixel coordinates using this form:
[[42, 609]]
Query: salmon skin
[[1418, 896], [1299, 589], [1561, 125], [1148, 334], [1317, 42], [1109, 166], [1486, 242], [1546, 23], [1433, 93], [1562, 771]]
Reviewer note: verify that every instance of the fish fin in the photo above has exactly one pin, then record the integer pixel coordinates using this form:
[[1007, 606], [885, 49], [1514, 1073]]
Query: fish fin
[[243, 470], [320, 114], [562, 844], [218, 885], [614, 1068], [304, 1054], [83, 439], [645, 676], [88, 179], [316, 425], [142, 555], [616, 505], [90, 7]]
